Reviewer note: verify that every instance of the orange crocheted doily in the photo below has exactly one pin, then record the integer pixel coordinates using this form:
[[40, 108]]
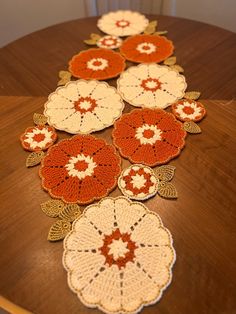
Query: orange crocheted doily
[[97, 63], [188, 110], [149, 136], [147, 48], [80, 169]]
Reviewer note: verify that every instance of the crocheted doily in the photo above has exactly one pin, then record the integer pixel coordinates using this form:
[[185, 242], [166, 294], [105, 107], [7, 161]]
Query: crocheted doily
[[138, 182], [38, 138], [122, 23], [118, 256], [147, 48], [83, 106], [149, 136], [109, 42], [97, 63], [151, 86], [80, 169], [188, 110]]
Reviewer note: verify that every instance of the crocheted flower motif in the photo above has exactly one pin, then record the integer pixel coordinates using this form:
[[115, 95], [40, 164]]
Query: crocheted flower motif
[[38, 138], [109, 42], [80, 169], [188, 110], [147, 48], [122, 23], [97, 63], [83, 107], [151, 86], [149, 136], [118, 256], [138, 182]]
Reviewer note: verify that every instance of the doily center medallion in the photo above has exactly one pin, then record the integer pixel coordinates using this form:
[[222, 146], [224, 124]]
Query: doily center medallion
[[118, 249], [148, 134], [85, 104], [122, 23], [146, 48], [81, 166], [97, 64], [151, 84]]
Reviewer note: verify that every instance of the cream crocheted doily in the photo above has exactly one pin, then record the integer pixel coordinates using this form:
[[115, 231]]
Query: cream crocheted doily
[[118, 256], [151, 86], [122, 23], [83, 107]]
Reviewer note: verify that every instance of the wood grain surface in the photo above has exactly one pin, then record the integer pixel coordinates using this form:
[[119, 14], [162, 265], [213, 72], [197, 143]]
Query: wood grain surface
[[202, 220]]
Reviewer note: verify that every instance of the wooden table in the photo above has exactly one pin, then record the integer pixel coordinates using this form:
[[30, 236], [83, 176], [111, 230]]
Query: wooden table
[[202, 220]]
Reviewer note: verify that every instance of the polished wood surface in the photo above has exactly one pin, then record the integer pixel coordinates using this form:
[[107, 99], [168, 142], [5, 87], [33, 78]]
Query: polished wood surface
[[202, 220]]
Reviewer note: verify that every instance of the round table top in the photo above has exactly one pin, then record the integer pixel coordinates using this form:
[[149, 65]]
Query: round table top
[[202, 220]]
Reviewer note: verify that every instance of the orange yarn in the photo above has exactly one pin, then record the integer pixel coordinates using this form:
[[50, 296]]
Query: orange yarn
[[147, 48], [38, 138], [130, 136], [80, 169], [97, 63]]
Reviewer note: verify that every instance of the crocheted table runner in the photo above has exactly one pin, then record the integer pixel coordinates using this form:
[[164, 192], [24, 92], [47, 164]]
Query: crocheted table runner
[[149, 136], [118, 256], [80, 169]]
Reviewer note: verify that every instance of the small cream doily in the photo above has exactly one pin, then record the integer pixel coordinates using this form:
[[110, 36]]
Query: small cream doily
[[83, 107], [151, 86], [118, 256], [109, 42], [138, 182]]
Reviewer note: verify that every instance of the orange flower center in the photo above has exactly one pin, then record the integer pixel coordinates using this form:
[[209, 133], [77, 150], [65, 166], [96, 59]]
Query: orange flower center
[[146, 47], [188, 110], [81, 165], [118, 249], [148, 133], [122, 23], [85, 104], [39, 137], [97, 63], [151, 84]]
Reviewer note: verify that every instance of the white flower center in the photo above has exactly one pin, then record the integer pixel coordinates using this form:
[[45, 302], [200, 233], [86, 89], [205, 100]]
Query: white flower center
[[138, 181], [85, 104], [147, 48], [80, 166], [122, 23], [151, 84], [118, 248], [97, 64], [148, 134], [109, 42]]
